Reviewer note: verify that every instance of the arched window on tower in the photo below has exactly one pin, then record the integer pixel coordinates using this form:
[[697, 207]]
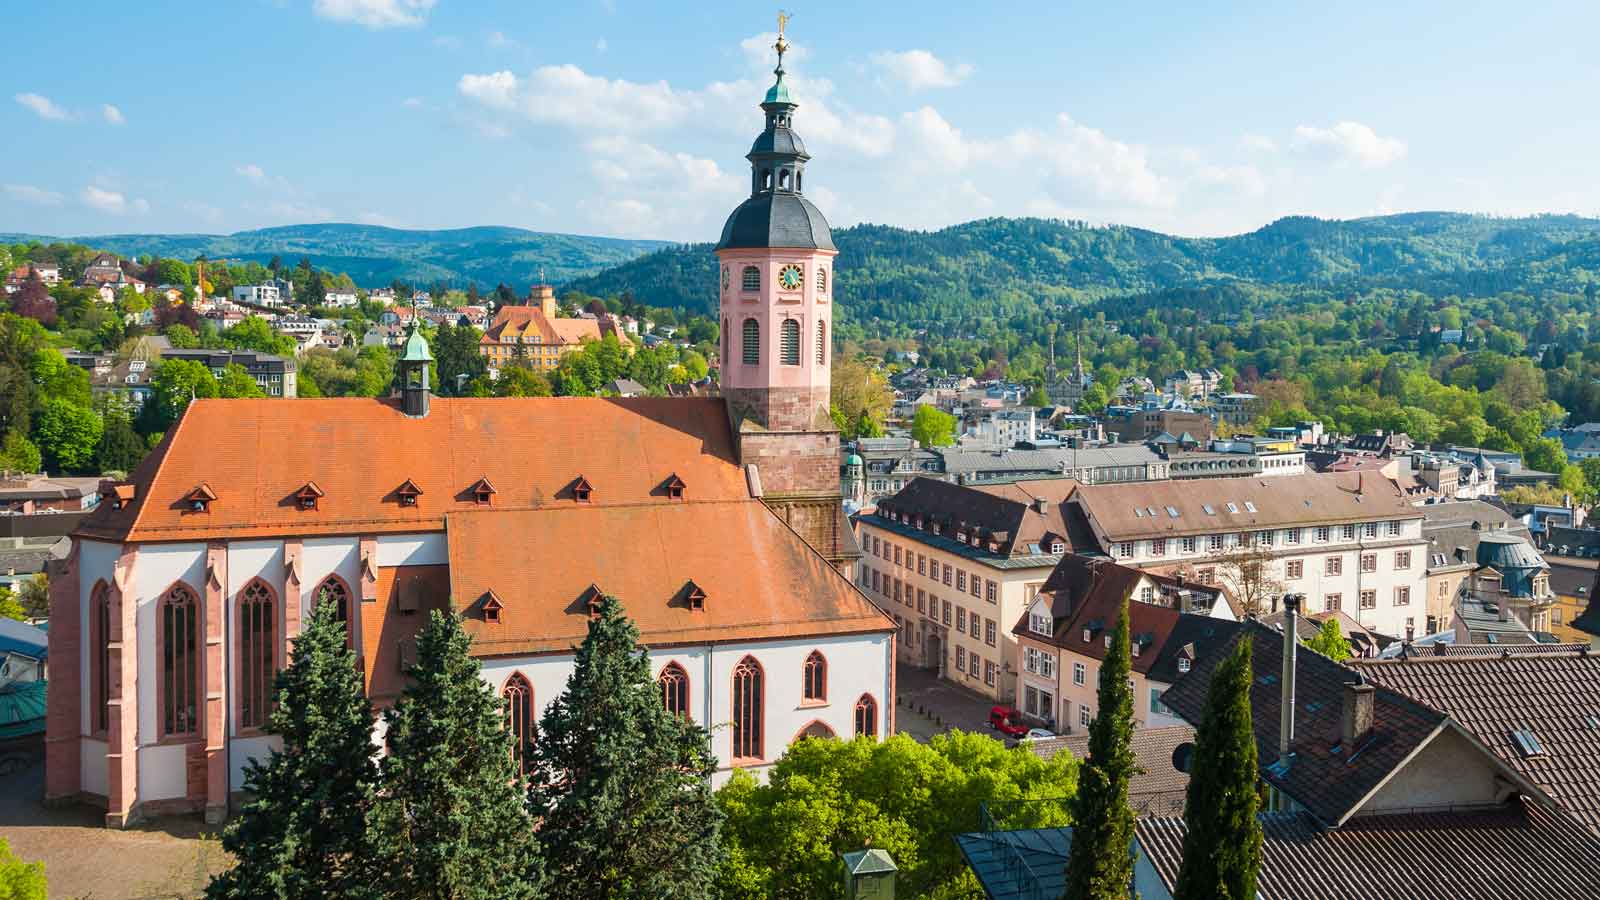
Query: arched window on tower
[[750, 342], [726, 338], [258, 617], [822, 343], [814, 678], [822, 280], [332, 590], [100, 640], [180, 662], [749, 708], [866, 717], [789, 345], [766, 179], [518, 695], [674, 683], [797, 178], [751, 279], [783, 180]]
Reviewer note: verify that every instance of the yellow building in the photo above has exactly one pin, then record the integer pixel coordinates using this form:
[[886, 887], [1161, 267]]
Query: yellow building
[[533, 333], [1572, 580]]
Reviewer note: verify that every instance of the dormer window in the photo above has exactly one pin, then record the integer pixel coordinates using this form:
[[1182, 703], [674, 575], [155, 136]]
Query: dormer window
[[201, 498], [483, 492], [491, 609], [592, 596], [582, 490], [1134, 648], [1039, 623], [306, 498], [674, 487], [1108, 641], [408, 493], [1183, 664], [1087, 635], [695, 596]]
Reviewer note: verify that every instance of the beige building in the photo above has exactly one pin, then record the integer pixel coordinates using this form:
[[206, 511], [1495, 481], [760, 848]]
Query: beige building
[[956, 566]]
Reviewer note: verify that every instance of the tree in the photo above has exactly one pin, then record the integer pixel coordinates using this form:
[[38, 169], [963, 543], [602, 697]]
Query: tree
[[33, 301], [857, 390], [68, 435], [932, 427], [20, 880], [11, 608], [183, 337], [521, 381], [452, 819], [173, 384], [120, 448], [1330, 641], [236, 382], [18, 454], [824, 797], [34, 594], [253, 333], [1037, 397], [1247, 570], [1100, 866], [1222, 837], [303, 833], [626, 785]]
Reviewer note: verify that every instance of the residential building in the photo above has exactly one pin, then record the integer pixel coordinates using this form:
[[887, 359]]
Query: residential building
[[889, 464], [276, 375], [1510, 583], [1089, 465], [1452, 531], [24, 494], [956, 565], [1236, 408], [382, 296], [1064, 635], [534, 335], [517, 513], [48, 273], [1140, 425], [105, 274], [1349, 542], [1571, 579], [1194, 383], [258, 295], [340, 297], [1001, 429]]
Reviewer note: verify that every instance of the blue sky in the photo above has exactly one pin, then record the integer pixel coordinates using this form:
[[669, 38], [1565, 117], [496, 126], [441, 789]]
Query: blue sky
[[631, 119]]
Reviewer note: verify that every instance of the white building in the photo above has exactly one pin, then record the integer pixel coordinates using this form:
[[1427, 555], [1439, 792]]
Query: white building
[[339, 297], [258, 294], [1348, 541]]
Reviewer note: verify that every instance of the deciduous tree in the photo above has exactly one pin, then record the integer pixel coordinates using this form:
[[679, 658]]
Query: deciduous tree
[[1330, 641], [933, 427]]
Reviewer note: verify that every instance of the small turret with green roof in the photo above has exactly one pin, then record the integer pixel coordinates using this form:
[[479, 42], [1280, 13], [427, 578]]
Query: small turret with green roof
[[415, 361]]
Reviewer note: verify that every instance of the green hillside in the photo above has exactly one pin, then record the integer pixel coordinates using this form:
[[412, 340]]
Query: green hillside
[[375, 256]]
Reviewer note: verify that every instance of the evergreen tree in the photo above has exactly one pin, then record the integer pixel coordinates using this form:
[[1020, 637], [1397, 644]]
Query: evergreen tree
[[452, 821], [1222, 839], [304, 832], [1101, 864], [625, 784]]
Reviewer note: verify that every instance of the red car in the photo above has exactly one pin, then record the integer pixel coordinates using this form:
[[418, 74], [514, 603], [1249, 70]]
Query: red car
[[1007, 721]]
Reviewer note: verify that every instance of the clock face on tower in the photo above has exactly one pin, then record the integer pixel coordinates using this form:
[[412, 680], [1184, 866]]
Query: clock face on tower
[[790, 277]]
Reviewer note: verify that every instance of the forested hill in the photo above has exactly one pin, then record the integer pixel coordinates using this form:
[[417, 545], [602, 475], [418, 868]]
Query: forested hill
[[998, 267], [374, 256]]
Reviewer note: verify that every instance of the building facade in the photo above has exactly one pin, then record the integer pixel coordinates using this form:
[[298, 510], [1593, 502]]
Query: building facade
[[534, 336]]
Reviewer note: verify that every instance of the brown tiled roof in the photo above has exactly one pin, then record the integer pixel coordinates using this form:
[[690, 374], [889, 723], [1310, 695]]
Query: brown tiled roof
[[761, 580], [1326, 778], [1006, 512], [1158, 789], [1517, 852], [1555, 696], [256, 454], [1280, 501]]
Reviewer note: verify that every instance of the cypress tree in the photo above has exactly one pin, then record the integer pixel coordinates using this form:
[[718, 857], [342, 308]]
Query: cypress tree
[[624, 785], [452, 821], [1100, 866], [303, 833], [1222, 837]]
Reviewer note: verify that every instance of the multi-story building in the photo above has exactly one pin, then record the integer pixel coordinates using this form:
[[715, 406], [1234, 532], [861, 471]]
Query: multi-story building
[[1063, 638], [48, 273], [1136, 426], [956, 566], [339, 297], [258, 294], [276, 375], [1196, 383], [534, 336], [1349, 542], [1236, 408], [1452, 530], [1088, 465]]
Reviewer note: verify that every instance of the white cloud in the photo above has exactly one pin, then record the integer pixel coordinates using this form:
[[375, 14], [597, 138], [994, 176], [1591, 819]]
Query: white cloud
[[1258, 143], [37, 196], [251, 171], [920, 70], [567, 95], [1351, 142], [112, 114], [44, 107], [937, 141], [374, 13], [113, 202]]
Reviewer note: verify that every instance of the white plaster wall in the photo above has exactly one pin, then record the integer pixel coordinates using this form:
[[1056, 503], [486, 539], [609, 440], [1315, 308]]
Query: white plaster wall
[[158, 567], [413, 550], [321, 557], [242, 750], [93, 775], [856, 665], [1448, 771], [163, 774], [96, 560]]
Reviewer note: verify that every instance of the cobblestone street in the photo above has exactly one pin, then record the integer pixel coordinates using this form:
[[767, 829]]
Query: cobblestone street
[[931, 705]]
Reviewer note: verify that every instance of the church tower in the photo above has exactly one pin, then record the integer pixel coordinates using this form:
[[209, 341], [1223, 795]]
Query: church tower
[[775, 299]]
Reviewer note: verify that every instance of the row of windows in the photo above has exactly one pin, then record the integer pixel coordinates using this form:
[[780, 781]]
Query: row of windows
[[1368, 599], [1334, 564], [788, 342], [1216, 543], [972, 665], [928, 567], [926, 604]]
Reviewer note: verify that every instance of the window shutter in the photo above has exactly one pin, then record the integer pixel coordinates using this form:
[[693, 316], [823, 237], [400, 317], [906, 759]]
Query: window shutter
[[790, 349], [406, 595]]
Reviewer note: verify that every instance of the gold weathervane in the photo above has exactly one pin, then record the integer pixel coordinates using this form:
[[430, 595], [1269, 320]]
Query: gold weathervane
[[783, 21]]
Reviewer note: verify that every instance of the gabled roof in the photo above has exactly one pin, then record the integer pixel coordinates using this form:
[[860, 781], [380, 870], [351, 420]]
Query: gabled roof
[[1009, 513], [1554, 696], [256, 454], [542, 563], [1157, 789]]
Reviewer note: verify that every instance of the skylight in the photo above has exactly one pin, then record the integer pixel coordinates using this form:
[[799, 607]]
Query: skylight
[[1138, 513], [1172, 511], [1249, 507], [1233, 507], [1210, 510], [1526, 743]]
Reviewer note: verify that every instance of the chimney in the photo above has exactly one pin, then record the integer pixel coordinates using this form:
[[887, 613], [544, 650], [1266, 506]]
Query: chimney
[[1041, 505], [1356, 721], [1291, 606]]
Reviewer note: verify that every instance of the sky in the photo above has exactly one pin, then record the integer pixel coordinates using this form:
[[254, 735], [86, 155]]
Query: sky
[[630, 119]]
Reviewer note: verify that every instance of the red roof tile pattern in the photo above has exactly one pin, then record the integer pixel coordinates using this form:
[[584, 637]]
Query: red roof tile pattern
[[1517, 852], [1556, 697], [761, 581], [257, 454], [1158, 789]]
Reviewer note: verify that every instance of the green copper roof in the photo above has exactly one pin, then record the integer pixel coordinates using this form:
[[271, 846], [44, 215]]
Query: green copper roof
[[22, 708], [416, 348], [779, 92]]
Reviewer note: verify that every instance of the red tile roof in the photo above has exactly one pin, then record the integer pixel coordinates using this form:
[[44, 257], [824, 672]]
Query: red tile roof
[[760, 579], [256, 454]]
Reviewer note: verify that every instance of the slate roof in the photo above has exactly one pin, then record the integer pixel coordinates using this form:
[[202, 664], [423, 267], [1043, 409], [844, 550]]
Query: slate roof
[[1006, 512], [776, 219], [1157, 790], [20, 637], [1516, 852], [1322, 775], [1554, 695]]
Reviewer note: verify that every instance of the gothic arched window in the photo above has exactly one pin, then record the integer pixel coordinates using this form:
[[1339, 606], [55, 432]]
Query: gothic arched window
[[258, 617], [789, 345], [180, 662], [674, 683], [751, 278], [749, 708], [100, 640], [518, 695], [866, 716], [822, 343], [750, 342], [332, 590], [814, 678]]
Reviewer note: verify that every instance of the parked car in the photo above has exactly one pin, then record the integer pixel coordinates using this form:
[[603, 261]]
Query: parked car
[[1038, 734], [1007, 720]]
